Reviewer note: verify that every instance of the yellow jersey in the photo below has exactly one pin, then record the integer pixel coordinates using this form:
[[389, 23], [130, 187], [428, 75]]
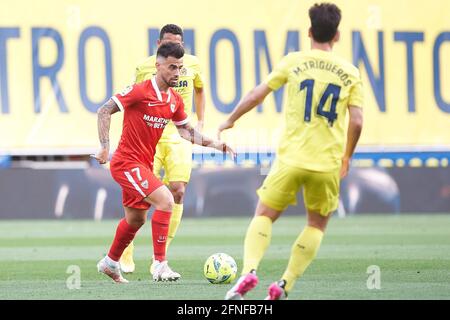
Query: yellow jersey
[[320, 87], [190, 77]]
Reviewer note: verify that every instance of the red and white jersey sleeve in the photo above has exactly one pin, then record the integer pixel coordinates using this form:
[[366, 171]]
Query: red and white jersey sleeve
[[129, 96]]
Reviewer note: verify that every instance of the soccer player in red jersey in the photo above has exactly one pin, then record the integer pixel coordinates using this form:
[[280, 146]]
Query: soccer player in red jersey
[[148, 107]]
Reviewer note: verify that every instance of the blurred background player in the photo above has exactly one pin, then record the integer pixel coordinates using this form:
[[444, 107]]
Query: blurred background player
[[173, 154], [321, 89], [148, 107]]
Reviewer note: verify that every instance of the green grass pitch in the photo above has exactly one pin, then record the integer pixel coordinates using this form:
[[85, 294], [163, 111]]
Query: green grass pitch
[[412, 252]]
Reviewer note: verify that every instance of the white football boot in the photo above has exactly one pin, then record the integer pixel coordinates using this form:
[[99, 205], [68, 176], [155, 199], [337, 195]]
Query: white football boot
[[111, 269], [162, 272]]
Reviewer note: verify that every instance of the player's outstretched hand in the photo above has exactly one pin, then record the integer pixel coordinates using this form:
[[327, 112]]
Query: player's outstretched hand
[[101, 156], [222, 146], [225, 125]]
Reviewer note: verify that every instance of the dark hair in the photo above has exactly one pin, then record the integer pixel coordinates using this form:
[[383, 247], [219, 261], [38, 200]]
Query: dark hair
[[170, 28], [170, 49], [325, 19]]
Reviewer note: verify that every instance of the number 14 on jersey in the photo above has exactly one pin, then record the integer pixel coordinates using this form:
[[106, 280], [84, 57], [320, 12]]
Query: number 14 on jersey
[[331, 90]]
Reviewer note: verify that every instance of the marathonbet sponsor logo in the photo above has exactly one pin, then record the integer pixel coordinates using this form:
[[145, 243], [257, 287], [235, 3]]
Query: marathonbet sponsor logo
[[156, 122]]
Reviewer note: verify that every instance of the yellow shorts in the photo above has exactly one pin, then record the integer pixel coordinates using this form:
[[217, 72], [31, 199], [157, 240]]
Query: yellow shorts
[[176, 160], [320, 189]]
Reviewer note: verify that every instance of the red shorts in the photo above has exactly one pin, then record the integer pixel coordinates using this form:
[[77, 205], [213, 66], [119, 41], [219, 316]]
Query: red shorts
[[137, 182]]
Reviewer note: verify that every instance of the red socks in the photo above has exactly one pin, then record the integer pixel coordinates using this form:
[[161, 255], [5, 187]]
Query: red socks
[[160, 229], [124, 235]]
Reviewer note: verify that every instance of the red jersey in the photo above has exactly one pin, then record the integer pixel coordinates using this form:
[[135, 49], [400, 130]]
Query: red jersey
[[147, 111]]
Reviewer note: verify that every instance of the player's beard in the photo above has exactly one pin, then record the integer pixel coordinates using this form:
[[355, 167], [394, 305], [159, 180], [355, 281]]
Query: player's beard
[[170, 84]]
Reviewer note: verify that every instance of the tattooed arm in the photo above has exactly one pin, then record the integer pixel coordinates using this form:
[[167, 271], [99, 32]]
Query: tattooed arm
[[103, 122], [188, 133]]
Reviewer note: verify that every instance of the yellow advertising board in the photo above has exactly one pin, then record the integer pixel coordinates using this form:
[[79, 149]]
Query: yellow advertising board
[[61, 60]]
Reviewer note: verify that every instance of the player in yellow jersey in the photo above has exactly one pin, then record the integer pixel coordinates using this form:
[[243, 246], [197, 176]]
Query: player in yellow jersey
[[173, 154], [313, 154]]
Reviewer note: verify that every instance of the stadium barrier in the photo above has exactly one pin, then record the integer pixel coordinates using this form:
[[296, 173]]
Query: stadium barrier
[[216, 191]]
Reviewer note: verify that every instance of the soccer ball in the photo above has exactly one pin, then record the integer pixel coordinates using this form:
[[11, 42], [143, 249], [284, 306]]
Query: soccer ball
[[220, 268]]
